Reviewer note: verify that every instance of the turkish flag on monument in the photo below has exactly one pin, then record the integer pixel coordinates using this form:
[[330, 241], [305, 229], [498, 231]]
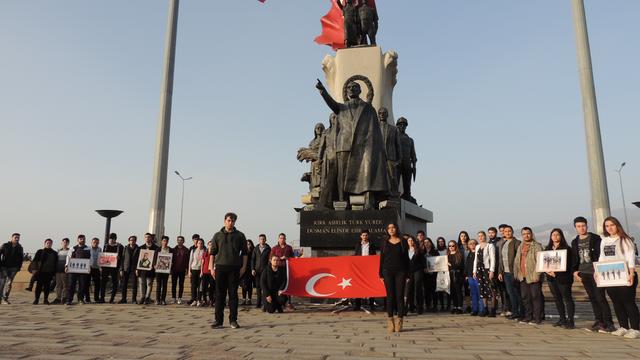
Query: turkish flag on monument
[[335, 277], [333, 25]]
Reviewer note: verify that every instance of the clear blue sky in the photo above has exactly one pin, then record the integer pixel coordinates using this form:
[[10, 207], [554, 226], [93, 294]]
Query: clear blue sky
[[490, 89]]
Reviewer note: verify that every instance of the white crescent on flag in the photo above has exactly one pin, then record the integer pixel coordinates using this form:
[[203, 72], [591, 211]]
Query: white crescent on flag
[[309, 287]]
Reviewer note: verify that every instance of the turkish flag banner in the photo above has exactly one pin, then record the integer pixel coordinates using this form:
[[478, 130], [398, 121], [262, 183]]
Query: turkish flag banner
[[335, 277]]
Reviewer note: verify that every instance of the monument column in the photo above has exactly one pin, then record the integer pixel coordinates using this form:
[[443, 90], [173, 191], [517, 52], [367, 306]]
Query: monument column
[[599, 192], [159, 184]]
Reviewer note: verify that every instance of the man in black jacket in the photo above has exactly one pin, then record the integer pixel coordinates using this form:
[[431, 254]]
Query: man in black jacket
[[80, 251], [259, 262], [146, 277], [11, 257], [130, 256], [108, 272], [47, 261], [229, 256], [585, 250], [364, 248]]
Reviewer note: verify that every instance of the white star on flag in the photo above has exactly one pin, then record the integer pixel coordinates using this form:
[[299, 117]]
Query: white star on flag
[[345, 283]]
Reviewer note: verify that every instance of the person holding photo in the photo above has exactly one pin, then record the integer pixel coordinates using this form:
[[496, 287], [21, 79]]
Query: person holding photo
[[560, 282], [441, 244], [431, 298], [618, 246], [146, 277], [162, 279]]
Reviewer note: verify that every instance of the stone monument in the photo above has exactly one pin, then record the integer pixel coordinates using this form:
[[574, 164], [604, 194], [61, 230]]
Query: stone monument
[[361, 164]]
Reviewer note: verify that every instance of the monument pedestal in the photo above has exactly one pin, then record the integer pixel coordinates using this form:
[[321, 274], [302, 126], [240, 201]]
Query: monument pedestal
[[336, 233]]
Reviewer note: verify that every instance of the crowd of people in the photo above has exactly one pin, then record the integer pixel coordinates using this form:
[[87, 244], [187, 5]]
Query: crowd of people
[[493, 269]]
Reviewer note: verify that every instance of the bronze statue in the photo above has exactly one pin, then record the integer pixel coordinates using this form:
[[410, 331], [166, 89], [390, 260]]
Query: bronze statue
[[408, 163], [368, 17], [360, 149], [351, 23], [310, 154], [329, 165], [393, 148]]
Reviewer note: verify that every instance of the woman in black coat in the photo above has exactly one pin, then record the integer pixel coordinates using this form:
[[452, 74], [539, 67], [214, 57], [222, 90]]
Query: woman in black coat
[[272, 281], [394, 268], [456, 273], [560, 282], [414, 296]]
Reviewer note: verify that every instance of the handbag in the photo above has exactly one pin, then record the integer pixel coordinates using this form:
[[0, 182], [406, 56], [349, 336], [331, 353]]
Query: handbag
[[443, 281]]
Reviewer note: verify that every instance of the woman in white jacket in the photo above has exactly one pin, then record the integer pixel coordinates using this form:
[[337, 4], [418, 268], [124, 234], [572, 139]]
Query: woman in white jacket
[[618, 246], [484, 269]]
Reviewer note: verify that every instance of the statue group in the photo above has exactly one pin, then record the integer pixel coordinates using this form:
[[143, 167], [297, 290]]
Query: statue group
[[359, 156], [360, 22]]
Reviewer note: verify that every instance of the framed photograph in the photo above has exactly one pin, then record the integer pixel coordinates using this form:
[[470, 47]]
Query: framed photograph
[[552, 260], [145, 261], [163, 263], [611, 273], [437, 263], [109, 260], [79, 266]]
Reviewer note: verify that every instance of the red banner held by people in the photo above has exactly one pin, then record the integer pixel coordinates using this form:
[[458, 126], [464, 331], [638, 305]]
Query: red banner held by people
[[335, 277]]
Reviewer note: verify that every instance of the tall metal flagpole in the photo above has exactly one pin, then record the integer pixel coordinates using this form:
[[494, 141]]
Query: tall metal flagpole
[[599, 192], [159, 185]]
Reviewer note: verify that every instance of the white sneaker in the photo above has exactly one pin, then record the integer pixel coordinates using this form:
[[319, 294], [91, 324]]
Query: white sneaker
[[180, 301], [508, 313], [198, 304], [632, 334], [194, 303], [620, 332]]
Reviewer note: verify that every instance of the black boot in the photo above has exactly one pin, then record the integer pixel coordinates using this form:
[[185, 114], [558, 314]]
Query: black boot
[[561, 322], [570, 324]]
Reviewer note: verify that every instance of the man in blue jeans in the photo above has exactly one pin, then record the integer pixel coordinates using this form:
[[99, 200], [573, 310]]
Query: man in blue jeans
[[507, 255], [11, 257]]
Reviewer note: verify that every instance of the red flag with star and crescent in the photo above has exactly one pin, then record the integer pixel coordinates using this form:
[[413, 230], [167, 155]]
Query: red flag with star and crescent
[[335, 277]]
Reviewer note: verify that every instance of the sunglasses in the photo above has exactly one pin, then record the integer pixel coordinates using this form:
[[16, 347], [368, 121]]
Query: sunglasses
[[452, 246]]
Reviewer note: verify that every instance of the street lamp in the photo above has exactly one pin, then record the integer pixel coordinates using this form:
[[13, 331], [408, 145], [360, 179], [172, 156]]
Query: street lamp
[[182, 199], [108, 214], [624, 204]]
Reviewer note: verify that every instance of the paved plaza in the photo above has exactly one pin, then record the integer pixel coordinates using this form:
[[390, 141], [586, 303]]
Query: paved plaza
[[312, 332]]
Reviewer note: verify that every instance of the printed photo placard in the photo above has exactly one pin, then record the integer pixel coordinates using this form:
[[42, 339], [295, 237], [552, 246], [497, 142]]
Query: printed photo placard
[[611, 273], [108, 260], [437, 263], [145, 261], [79, 266], [163, 263], [552, 260]]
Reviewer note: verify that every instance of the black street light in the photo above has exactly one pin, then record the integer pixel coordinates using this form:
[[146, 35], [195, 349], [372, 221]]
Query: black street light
[[109, 214]]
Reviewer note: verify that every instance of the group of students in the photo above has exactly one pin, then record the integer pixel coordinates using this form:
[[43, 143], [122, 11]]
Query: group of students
[[503, 268], [50, 270]]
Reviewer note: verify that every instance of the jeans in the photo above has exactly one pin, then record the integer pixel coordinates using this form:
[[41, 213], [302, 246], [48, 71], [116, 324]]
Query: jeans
[[477, 305], [62, 286], [413, 292], [513, 290], [6, 280], [563, 298], [177, 279], [96, 280], [79, 280], [598, 300], [227, 278], [146, 284], [208, 287], [532, 300], [624, 304], [394, 283], [162, 280], [43, 283], [196, 294], [106, 274], [125, 284]]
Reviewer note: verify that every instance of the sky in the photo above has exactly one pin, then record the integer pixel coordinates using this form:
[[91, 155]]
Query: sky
[[490, 90]]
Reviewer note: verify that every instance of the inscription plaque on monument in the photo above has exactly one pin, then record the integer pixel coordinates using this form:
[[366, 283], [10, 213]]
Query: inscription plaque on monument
[[341, 229]]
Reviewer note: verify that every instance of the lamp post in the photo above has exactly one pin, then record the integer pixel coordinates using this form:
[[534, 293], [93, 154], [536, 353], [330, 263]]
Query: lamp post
[[637, 203], [109, 214], [624, 203], [182, 198]]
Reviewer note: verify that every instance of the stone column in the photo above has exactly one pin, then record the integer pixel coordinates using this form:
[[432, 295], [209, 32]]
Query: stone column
[[599, 191], [159, 185]]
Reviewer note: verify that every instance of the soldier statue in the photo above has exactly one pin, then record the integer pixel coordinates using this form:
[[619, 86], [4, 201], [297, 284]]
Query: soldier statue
[[393, 149], [351, 23], [408, 163], [368, 23]]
